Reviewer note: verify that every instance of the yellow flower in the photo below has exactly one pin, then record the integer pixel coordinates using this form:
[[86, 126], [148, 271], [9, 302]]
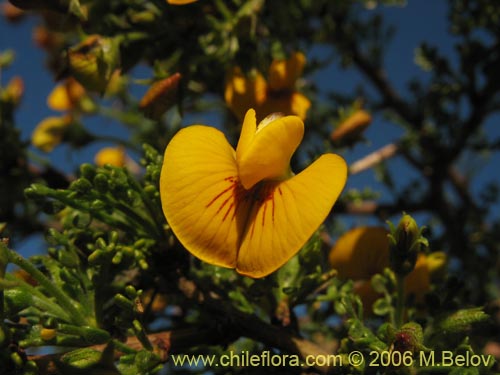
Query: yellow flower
[[114, 156], [278, 94], [245, 209], [363, 252], [49, 133]]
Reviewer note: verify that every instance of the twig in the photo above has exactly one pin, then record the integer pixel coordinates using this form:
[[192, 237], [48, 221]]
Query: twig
[[370, 160]]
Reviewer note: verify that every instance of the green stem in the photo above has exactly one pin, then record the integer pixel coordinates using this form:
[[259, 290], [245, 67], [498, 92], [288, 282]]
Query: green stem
[[400, 302], [141, 335], [64, 301]]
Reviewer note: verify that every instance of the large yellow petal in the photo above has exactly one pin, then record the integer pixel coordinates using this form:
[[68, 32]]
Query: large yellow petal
[[286, 214], [201, 198], [267, 156]]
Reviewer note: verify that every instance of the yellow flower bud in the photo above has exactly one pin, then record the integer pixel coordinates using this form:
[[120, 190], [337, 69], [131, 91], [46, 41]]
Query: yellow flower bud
[[351, 127], [160, 97], [405, 244]]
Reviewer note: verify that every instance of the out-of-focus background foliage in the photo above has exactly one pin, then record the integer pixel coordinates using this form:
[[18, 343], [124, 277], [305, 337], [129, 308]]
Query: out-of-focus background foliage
[[107, 267]]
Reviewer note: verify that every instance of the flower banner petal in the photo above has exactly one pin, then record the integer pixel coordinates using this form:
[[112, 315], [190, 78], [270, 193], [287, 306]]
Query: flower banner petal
[[201, 197], [287, 213]]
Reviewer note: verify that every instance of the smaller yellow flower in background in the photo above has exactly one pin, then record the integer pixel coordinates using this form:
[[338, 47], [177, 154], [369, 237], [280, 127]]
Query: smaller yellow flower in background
[[278, 94], [68, 96], [50, 132], [114, 156], [362, 252], [244, 208]]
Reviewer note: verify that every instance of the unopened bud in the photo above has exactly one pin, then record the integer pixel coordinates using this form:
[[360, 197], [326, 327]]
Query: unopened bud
[[160, 97], [405, 242], [351, 128], [409, 338]]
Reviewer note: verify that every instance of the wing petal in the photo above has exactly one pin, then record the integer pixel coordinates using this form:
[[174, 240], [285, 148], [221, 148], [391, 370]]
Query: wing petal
[[201, 196]]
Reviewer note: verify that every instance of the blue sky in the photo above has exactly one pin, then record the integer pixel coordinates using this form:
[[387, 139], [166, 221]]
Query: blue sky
[[420, 20]]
